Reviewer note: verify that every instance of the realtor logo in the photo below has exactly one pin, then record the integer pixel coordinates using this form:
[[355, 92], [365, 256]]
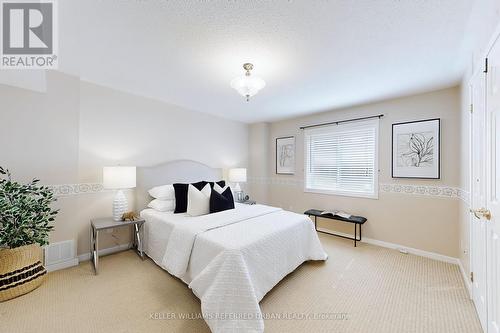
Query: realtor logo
[[29, 35]]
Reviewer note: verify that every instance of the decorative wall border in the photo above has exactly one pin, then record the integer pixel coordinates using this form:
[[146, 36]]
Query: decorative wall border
[[64, 190], [406, 189], [464, 196], [424, 190]]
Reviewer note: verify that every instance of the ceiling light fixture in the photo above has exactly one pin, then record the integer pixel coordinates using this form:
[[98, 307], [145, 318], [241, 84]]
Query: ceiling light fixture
[[247, 85]]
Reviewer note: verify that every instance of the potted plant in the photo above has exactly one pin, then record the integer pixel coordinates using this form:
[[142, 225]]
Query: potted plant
[[26, 218]]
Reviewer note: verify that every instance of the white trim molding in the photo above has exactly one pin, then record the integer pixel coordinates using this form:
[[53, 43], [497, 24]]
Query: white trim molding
[[426, 254], [410, 250], [417, 252], [86, 257], [466, 278], [62, 265], [118, 248]]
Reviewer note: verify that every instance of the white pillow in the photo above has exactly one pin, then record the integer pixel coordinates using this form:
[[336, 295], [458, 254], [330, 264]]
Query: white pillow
[[219, 189], [162, 205], [198, 201], [164, 192]]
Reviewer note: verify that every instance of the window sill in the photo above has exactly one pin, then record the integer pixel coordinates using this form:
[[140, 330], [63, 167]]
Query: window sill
[[343, 194]]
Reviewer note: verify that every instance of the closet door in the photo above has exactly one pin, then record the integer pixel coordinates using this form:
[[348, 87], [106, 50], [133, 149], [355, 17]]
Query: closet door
[[478, 228], [492, 212]]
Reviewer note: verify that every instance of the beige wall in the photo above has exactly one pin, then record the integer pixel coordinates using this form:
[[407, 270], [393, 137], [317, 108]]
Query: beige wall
[[116, 127], [66, 136], [73, 129], [40, 139], [425, 223], [67, 131], [258, 151], [463, 209], [40, 130]]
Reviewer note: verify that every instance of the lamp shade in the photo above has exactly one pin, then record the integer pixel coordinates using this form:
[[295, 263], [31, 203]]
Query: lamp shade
[[238, 175], [118, 177]]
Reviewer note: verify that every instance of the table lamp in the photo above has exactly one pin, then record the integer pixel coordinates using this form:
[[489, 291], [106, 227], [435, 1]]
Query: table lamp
[[238, 175], [119, 178]]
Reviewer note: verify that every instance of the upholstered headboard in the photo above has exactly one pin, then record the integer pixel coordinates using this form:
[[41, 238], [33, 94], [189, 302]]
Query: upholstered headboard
[[181, 171]]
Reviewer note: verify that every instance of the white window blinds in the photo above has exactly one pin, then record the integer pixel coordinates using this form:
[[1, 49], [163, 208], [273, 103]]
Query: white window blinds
[[343, 159]]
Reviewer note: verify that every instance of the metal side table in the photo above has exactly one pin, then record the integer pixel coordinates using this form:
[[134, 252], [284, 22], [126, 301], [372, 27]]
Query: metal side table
[[97, 225]]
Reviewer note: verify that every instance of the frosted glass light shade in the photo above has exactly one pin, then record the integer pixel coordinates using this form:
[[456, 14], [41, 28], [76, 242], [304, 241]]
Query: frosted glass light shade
[[247, 85], [238, 175], [118, 177]]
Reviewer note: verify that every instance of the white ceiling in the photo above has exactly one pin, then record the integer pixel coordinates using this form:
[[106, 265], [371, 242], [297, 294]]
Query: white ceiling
[[313, 55]]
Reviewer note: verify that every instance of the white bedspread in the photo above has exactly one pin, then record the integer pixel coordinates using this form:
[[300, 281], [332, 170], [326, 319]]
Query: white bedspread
[[233, 258], [182, 238]]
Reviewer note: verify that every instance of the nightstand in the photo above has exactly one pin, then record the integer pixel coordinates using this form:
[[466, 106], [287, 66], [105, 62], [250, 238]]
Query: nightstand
[[97, 225]]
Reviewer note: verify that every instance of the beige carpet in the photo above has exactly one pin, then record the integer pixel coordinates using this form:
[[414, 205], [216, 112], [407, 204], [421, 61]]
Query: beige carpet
[[363, 289]]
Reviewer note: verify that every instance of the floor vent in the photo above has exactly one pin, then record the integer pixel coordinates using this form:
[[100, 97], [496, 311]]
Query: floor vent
[[60, 255]]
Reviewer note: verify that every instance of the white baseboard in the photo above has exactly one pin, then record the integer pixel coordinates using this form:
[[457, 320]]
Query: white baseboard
[[62, 265], [106, 251], [418, 252], [85, 257], [467, 282], [431, 255]]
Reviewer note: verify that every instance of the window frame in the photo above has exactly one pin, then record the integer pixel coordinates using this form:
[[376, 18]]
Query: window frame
[[375, 123]]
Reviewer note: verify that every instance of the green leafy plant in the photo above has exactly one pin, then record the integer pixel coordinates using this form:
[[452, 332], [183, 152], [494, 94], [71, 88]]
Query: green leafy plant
[[26, 216]]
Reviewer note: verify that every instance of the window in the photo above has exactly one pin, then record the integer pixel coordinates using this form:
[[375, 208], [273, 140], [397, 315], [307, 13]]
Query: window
[[342, 159]]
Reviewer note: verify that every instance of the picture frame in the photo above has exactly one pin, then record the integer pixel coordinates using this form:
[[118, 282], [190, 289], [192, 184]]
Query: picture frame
[[285, 155], [416, 149]]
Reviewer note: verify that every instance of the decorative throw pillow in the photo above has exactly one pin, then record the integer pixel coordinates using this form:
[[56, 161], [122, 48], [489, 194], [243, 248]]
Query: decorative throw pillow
[[200, 185], [221, 183], [162, 205], [221, 201], [163, 192], [198, 201], [220, 188], [181, 195]]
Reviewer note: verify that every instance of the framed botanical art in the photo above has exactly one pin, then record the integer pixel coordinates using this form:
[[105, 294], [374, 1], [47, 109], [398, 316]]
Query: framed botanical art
[[285, 155], [416, 149]]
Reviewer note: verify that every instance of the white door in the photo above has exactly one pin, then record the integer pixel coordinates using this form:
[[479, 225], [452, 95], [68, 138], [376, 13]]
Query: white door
[[478, 196], [492, 212]]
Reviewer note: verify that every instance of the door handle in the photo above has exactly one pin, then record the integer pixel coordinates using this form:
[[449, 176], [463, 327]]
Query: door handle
[[481, 212]]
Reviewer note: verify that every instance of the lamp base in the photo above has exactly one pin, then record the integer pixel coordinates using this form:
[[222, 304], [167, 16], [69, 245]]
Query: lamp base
[[120, 205], [238, 192]]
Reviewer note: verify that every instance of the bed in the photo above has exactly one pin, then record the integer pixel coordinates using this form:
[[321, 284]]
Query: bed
[[229, 259]]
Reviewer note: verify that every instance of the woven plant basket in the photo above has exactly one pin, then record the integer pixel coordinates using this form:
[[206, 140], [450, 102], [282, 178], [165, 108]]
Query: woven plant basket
[[21, 271]]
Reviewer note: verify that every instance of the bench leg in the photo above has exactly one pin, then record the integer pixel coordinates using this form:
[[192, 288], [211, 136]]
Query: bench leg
[[356, 238], [355, 233], [315, 225]]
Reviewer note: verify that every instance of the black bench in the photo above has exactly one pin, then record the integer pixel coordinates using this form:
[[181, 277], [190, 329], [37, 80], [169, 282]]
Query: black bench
[[357, 220]]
